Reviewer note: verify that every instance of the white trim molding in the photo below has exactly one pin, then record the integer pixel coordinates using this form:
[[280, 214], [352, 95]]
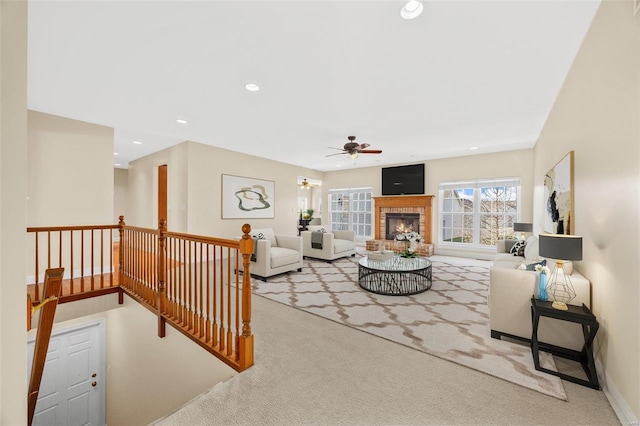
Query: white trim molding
[[619, 405]]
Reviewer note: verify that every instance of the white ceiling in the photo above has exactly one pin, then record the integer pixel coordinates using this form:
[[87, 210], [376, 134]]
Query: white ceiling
[[464, 74]]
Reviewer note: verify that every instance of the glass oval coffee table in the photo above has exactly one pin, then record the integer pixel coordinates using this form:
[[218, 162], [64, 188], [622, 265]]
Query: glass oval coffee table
[[397, 276]]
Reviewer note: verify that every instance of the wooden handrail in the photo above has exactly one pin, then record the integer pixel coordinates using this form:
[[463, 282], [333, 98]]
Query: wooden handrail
[[51, 292], [191, 283], [188, 281], [69, 228]]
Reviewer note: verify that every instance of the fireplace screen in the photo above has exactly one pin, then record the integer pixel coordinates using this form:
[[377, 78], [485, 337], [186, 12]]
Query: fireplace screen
[[398, 223]]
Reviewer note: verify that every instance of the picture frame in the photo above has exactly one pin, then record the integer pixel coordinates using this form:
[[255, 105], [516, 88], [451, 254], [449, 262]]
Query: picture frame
[[247, 198], [558, 197]]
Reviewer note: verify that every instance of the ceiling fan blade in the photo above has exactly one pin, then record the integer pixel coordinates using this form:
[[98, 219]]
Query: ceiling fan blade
[[331, 147], [337, 153], [371, 151], [363, 146]]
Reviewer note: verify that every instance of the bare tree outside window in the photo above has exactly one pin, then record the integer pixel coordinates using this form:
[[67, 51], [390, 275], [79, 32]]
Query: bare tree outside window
[[478, 215]]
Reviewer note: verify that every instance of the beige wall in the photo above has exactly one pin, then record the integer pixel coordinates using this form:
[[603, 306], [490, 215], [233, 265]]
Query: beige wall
[[120, 193], [195, 180], [142, 206], [13, 182], [147, 376], [596, 115], [484, 166], [70, 172]]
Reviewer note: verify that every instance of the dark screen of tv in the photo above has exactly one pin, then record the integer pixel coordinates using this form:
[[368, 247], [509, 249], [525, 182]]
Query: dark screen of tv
[[403, 180]]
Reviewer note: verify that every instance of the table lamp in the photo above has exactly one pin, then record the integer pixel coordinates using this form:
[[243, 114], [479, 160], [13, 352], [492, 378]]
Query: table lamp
[[522, 227], [560, 248]]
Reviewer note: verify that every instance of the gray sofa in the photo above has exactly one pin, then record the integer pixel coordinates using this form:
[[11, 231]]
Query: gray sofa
[[510, 291]]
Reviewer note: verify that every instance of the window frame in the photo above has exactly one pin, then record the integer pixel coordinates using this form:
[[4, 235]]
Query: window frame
[[350, 223], [476, 214]]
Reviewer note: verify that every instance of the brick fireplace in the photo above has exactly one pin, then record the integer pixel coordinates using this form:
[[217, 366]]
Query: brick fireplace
[[406, 205]]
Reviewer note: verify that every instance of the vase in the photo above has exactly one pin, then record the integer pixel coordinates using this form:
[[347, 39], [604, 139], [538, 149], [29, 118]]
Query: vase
[[542, 287]]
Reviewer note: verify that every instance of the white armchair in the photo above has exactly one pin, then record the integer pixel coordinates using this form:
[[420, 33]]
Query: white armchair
[[328, 245], [274, 254]]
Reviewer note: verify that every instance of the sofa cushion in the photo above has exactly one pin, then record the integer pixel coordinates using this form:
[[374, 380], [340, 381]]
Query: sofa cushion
[[316, 228], [265, 234], [531, 249], [283, 256], [506, 257], [340, 246]]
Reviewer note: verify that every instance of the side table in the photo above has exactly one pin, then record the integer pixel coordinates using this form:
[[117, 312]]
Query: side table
[[578, 314]]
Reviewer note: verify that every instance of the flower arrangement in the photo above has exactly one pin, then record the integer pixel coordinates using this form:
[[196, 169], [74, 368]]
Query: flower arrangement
[[542, 269], [411, 241]]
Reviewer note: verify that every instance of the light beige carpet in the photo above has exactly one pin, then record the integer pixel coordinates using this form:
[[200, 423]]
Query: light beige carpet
[[450, 321], [312, 371]]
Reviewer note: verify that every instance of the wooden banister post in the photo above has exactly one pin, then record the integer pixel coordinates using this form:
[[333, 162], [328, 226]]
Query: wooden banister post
[[161, 293], [121, 249], [50, 295], [245, 347]]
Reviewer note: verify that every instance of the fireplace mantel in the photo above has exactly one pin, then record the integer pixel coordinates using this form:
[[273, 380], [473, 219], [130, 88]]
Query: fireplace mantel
[[403, 204]]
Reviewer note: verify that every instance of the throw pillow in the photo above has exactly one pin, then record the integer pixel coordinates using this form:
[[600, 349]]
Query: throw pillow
[[518, 248], [322, 230], [532, 266]]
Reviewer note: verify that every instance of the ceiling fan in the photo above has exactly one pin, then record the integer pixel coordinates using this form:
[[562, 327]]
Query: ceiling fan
[[354, 149]]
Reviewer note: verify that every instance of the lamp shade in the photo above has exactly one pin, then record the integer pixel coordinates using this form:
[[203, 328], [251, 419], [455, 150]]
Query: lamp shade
[[522, 227], [558, 246]]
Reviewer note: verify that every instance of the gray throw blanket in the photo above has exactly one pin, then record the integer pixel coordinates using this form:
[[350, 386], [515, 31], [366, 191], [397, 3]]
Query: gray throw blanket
[[254, 255], [316, 239]]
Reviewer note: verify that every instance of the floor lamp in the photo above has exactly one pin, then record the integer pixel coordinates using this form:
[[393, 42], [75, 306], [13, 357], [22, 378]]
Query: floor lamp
[[522, 227], [560, 248]]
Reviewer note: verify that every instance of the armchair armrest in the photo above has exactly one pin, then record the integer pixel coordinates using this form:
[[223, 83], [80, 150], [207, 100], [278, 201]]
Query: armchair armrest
[[345, 235]]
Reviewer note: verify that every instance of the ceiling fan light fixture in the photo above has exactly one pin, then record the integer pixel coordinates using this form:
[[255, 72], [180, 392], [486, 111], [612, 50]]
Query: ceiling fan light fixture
[[305, 184], [353, 155], [412, 9], [252, 87]]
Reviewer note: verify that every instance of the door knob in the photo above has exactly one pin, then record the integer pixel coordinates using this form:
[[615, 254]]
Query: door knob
[[94, 384], [94, 375]]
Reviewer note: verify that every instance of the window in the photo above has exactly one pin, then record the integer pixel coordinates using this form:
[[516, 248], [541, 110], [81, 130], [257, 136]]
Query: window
[[351, 209], [478, 213]]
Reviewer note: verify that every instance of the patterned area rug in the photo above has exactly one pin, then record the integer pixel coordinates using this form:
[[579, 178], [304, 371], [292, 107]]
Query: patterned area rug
[[450, 321]]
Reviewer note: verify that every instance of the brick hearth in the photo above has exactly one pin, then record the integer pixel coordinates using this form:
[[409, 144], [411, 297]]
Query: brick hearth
[[420, 204]]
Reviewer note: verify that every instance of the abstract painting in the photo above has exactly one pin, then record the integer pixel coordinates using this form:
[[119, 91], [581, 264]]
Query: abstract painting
[[558, 196], [247, 198]]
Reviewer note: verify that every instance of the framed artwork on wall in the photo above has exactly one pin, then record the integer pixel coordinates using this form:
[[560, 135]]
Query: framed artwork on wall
[[558, 197], [247, 198]]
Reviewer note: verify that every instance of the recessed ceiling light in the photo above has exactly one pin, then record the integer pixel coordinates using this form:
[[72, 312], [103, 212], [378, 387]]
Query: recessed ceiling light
[[412, 9], [252, 87], [115, 153], [181, 121], [118, 164], [137, 142], [473, 148]]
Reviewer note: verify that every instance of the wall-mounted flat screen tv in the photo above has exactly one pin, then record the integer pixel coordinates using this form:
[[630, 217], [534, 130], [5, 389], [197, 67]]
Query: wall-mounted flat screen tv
[[403, 180]]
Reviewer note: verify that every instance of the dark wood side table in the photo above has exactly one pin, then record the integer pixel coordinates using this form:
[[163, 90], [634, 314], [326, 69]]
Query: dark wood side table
[[578, 314]]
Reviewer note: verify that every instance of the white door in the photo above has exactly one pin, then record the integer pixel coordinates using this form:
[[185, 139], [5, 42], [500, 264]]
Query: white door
[[73, 390]]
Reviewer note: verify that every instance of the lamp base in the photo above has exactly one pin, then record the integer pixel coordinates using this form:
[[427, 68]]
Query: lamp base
[[561, 306]]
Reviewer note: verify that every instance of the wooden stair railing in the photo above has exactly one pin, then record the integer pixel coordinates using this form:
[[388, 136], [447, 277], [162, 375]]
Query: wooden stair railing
[[51, 293], [188, 281], [191, 282], [85, 252]]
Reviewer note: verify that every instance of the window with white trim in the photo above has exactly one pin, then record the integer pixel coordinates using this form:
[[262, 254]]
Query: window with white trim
[[478, 213], [352, 209]]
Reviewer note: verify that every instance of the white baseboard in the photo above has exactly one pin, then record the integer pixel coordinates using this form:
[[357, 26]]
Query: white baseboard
[[619, 405]]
